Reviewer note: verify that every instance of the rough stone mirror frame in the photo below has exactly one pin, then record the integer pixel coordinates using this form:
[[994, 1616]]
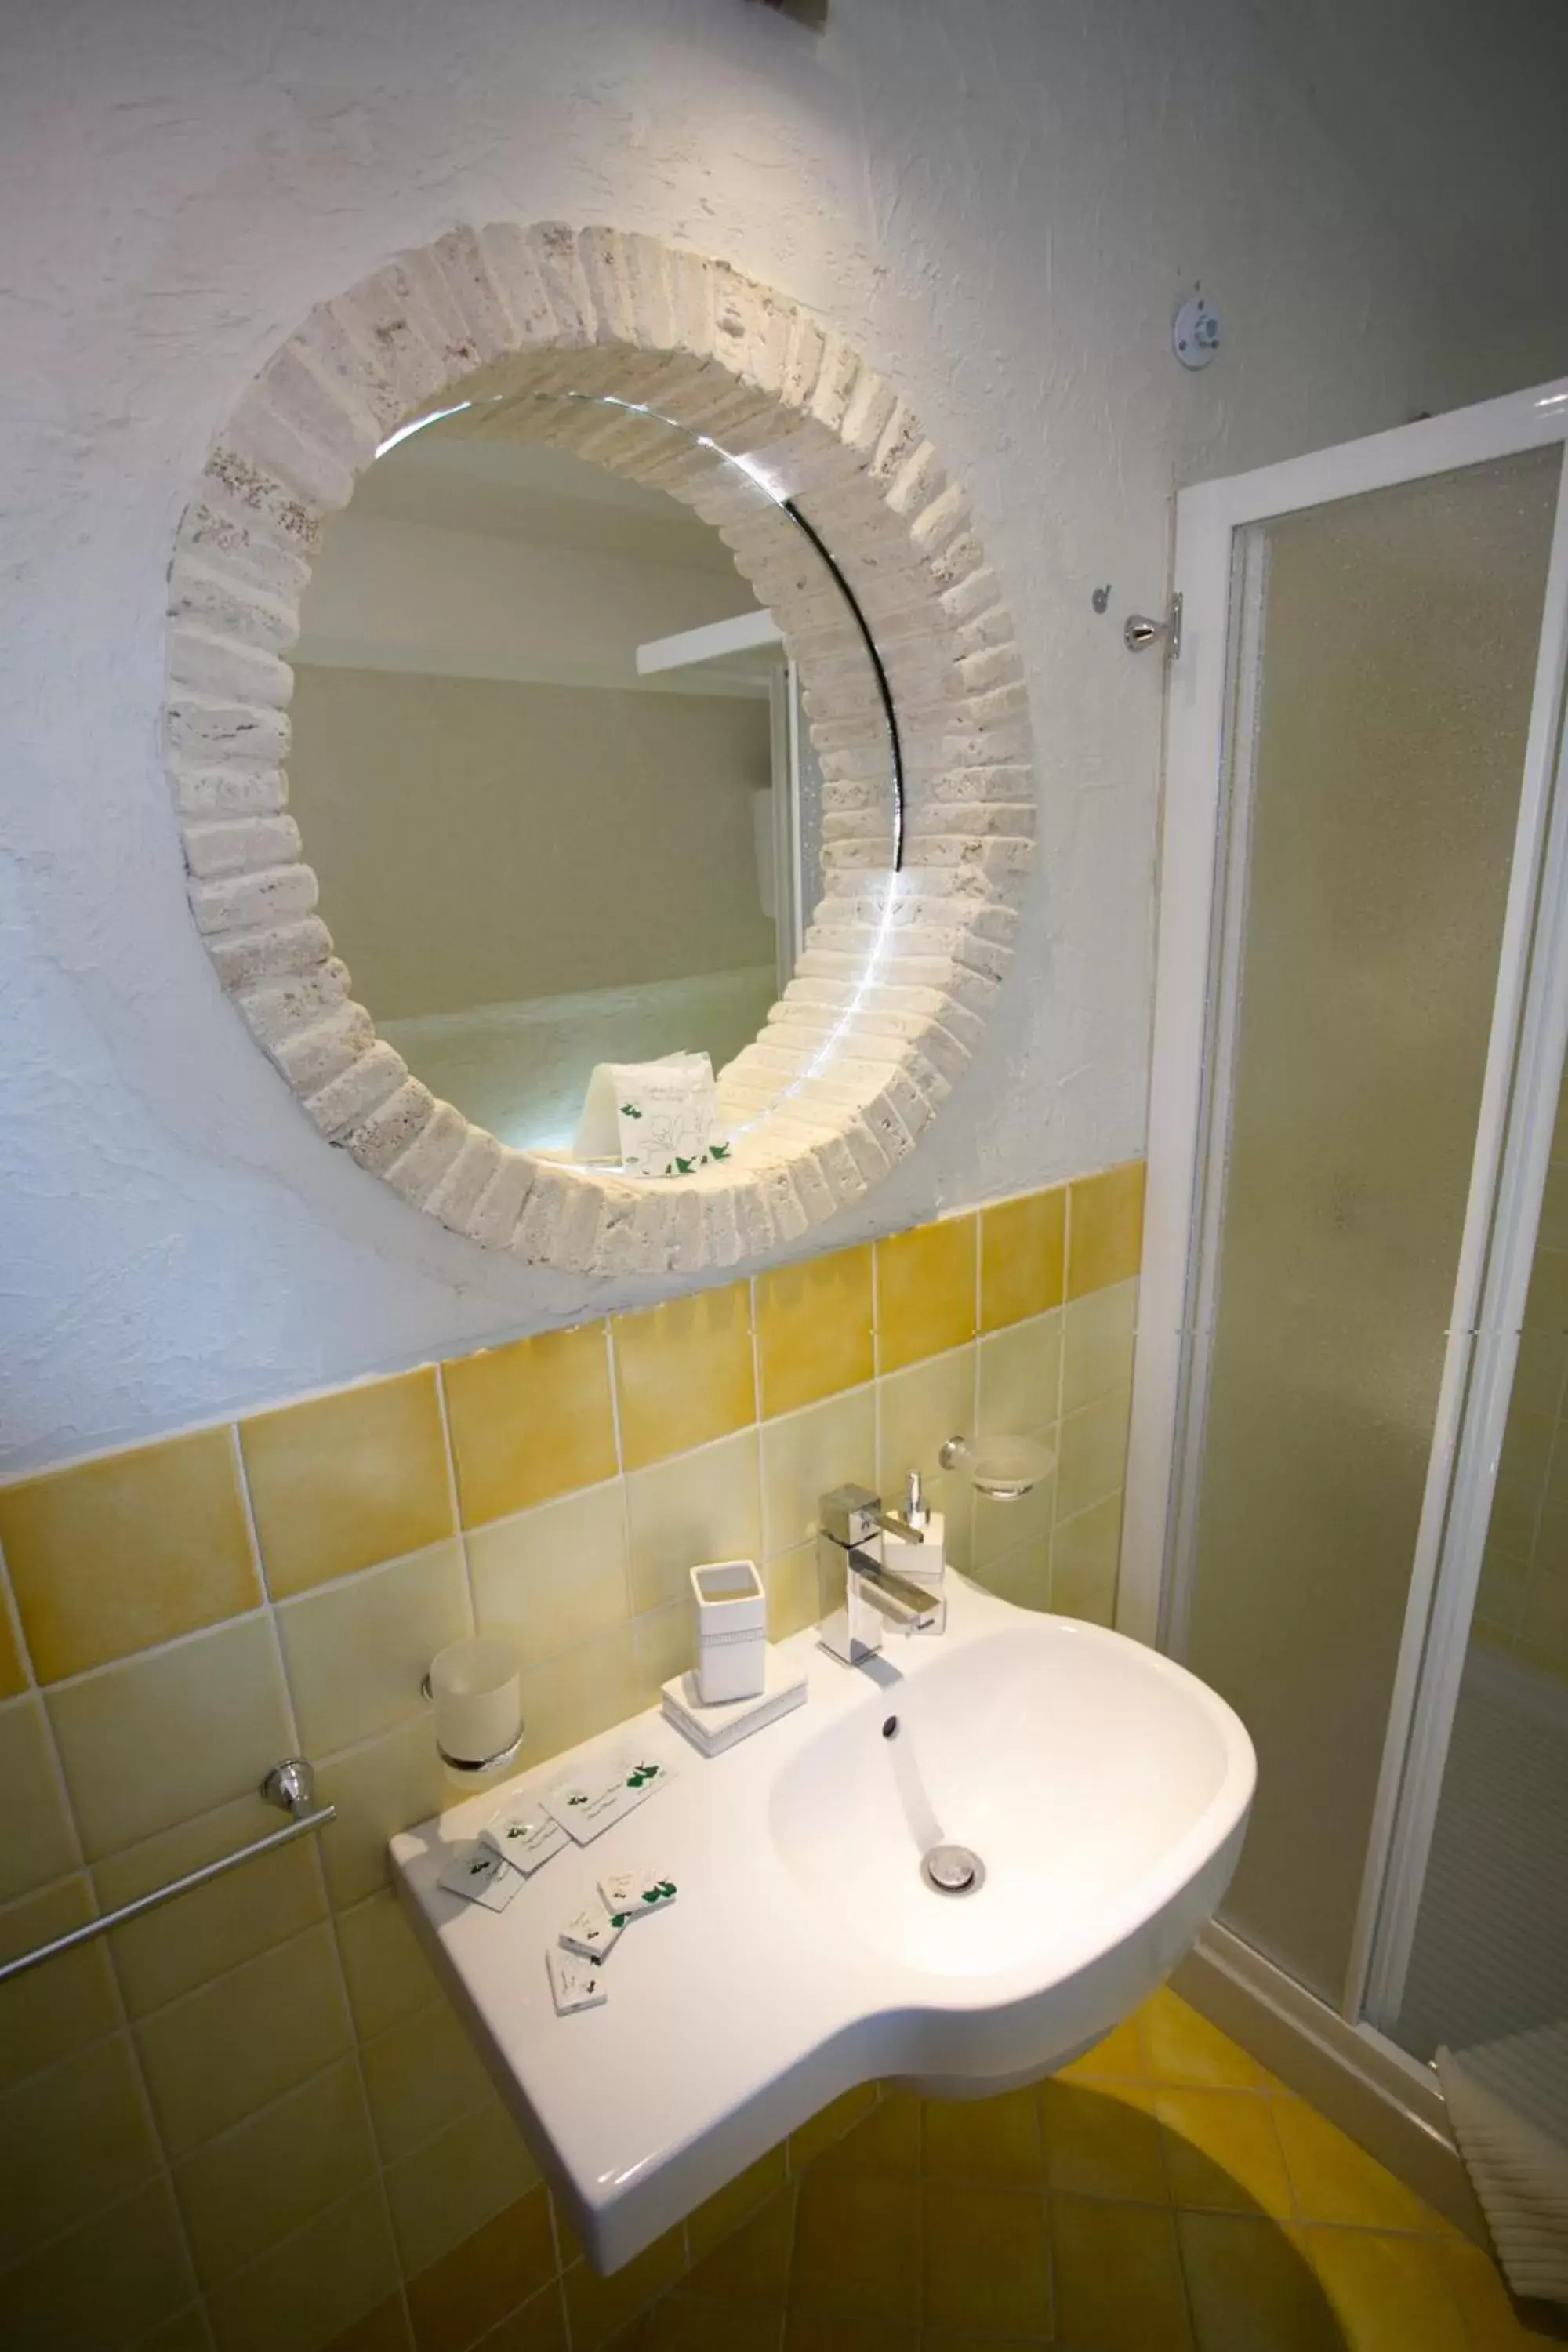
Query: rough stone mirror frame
[[898, 968]]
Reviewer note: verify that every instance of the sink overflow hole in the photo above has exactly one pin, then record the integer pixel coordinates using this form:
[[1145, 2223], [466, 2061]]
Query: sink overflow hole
[[890, 1728], [952, 1870]]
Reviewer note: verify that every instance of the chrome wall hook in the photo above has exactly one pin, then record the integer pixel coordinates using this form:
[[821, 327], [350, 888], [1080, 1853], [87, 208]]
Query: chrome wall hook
[[1140, 632]]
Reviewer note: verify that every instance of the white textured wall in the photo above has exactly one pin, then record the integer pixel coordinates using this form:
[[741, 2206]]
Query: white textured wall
[[995, 198]]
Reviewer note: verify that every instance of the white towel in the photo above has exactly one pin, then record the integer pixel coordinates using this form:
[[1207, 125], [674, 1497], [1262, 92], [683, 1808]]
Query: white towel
[[1519, 2171]]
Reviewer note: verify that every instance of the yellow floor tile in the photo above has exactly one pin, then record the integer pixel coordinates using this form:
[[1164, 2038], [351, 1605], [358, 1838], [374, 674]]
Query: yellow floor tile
[[887, 2140], [1389, 2294], [1223, 2152], [857, 2247], [1119, 2057], [597, 2307], [539, 2327], [1118, 2277], [1184, 2047], [384, 2329], [993, 2140], [830, 2124], [752, 2265], [1251, 2287], [1102, 2140], [722, 2214], [827, 2331], [683, 2323], [1335, 2180], [489, 2274], [986, 2261]]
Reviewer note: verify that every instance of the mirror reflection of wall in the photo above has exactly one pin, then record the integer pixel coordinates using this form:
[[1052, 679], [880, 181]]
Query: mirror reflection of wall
[[535, 855]]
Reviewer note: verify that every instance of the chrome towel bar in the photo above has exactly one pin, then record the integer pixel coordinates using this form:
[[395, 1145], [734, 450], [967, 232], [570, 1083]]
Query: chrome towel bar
[[290, 1786]]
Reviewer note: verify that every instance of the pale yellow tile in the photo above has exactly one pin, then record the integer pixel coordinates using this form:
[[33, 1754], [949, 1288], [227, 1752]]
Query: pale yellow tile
[[597, 2306], [275, 2172], [830, 2124], [684, 1373], [14, 1674], [705, 1505], [1546, 1306], [306, 2291], [1020, 1376], [213, 1927], [1105, 1227], [1252, 2286], [1023, 1257], [39, 1844], [1388, 2294], [448, 2189], [1086, 1552], [1021, 1576], [506, 2265], [917, 1412], [530, 1421], [386, 1786], [805, 1454], [72, 2138], [1092, 1462], [135, 1548], [1002, 1527], [164, 1738], [1097, 1343], [552, 1578], [1499, 1598], [664, 1645], [1183, 2047], [815, 1329], [721, 2214], [582, 1692], [355, 1652], [925, 1291], [216, 2055], [1541, 1370], [1526, 1454], [795, 1594], [105, 2286], [1118, 2277], [186, 2332], [387, 1973], [1336, 2180], [420, 2076], [1543, 1622], [1221, 2151], [344, 1481], [59, 2008]]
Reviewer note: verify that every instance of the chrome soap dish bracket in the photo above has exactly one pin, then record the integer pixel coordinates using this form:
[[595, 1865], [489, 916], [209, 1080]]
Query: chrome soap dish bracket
[[1003, 1469]]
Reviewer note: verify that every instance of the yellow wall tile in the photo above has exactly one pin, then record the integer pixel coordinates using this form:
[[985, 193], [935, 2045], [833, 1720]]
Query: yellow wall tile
[[697, 1507], [275, 2172], [39, 1843], [383, 2328], [164, 1738], [1092, 1461], [355, 1652], [1020, 1376], [342, 1482], [388, 1974], [925, 1292], [597, 2306], [107, 2283], [378, 1789], [72, 2140], [1097, 1343], [1023, 1257], [1105, 1228], [455, 2301], [13, 1665], [421, 2076], [316, 2284], [449, 2191], [582, 1692], [173, 1950], [813, 1328], [1085, 1555], [219, 2054], [805, 1453], [716, 2220], [118, 1555], [918, 1410], [554, 1577], [529, 1421], [56, 2009], [795, 1593], [684, 1373]]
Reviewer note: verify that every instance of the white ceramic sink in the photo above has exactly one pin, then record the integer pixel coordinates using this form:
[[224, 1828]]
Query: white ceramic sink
[[1104, 1789]]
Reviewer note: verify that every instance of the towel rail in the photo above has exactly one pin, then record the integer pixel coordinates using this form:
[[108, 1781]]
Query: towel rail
[[290, 1786]]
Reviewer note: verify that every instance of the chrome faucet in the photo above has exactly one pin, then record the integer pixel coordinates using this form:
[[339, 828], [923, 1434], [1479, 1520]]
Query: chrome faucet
[[850, 1522]]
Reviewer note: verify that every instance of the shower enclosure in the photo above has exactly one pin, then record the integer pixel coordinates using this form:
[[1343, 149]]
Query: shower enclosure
[[1348, 1488]]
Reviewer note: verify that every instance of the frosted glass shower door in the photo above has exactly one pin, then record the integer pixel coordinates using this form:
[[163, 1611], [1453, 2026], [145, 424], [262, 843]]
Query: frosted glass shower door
[[1381, 670]]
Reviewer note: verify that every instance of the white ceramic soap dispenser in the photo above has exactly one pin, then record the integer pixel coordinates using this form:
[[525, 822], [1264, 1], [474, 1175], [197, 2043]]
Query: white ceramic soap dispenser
[[924, 1562]]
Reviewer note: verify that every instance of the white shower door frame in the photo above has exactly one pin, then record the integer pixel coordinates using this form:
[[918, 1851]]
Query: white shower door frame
[[1219, 576]]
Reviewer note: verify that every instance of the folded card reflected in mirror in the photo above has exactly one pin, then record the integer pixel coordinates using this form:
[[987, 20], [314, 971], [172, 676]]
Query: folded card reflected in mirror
[[657, 1119]]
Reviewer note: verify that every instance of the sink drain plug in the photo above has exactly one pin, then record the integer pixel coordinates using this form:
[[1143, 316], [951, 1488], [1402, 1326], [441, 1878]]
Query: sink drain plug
[[952, 1870]]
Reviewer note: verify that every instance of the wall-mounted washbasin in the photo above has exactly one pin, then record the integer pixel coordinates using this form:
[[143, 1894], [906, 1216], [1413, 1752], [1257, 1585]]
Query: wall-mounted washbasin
[[957, 1865]]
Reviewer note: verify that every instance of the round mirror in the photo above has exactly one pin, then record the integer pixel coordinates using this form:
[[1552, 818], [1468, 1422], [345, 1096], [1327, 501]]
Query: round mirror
[[553, 764]]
